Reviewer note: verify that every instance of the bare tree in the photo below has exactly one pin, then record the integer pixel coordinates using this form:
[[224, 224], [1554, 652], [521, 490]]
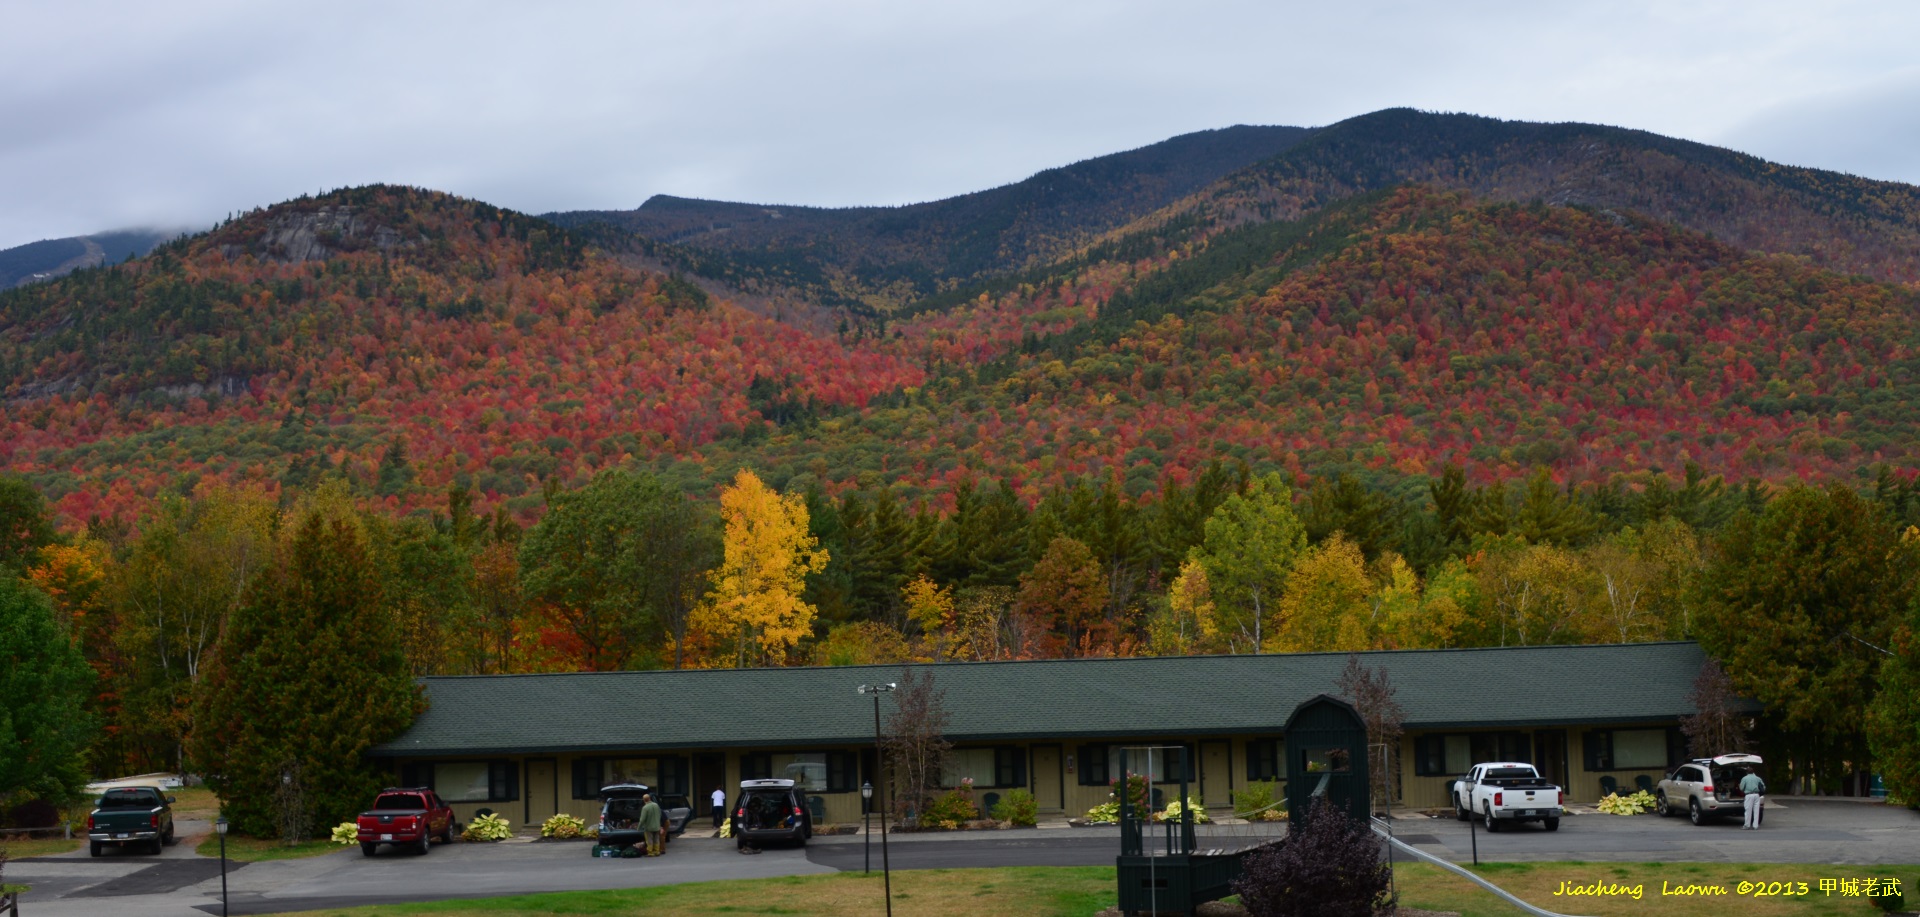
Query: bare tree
[[1372, 695], [916, 743], [1716, 727]]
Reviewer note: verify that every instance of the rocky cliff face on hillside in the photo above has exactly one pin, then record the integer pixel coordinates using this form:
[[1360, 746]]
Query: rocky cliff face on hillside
[[314, 235]]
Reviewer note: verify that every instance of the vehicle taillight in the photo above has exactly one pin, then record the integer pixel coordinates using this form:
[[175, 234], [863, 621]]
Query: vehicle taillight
[[156, 822], [1707, 789], [1560, 798], [796, 811], [89, 823], [1499, 799], [741, 812]]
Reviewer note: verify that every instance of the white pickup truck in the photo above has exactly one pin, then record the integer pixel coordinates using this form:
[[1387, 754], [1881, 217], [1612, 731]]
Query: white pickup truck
[[1504, 791]]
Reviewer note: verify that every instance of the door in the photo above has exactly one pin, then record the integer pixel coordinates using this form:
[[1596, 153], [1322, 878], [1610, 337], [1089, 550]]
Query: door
[[542, 786], [709, 772], [1550, 755], [1216, 774], [1048, 780]]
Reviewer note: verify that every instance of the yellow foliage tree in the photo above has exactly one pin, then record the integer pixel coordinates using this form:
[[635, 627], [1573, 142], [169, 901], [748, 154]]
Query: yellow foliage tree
[[930, 606], [768, 554], [1191, 620], [1397, 605], [1327, 605]]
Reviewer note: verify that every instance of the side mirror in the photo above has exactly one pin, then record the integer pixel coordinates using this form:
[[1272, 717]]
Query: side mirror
[[171, 800]]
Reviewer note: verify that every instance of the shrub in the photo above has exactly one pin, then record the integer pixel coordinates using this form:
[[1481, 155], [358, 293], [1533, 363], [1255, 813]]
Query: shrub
[[1017, 808], [488, 827], [1256, 802], [1106, 813], [563, 826], [1893, 903], [34, 813], [1328, 867], [951, 809], [346, 832], [1174, 809], [1616, 804]]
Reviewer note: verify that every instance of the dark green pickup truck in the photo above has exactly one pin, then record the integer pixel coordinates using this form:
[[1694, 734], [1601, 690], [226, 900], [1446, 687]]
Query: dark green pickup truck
[[140, 817]]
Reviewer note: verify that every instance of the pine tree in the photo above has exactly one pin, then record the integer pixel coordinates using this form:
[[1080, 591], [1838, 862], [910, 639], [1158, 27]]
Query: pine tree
[[44, 728], [309, 675]]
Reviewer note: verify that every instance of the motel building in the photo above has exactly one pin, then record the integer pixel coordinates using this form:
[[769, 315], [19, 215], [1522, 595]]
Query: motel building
[[529, 746]]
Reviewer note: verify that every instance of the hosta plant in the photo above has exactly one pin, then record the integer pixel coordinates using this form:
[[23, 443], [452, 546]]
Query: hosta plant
[[488, 827], [563, 826], [1174, 809], [346, 832]]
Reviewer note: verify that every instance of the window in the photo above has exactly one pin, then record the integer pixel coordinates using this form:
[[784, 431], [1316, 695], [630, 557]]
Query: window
[[807, 770], [1631, 749], [974, 764], [1263, 760], [475, 781], [1163, 761], [1639, 748], [1456, 753], [1003, 766], [644, 771]]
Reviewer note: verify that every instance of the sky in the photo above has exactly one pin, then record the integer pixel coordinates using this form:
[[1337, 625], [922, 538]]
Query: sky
[[176, 114]]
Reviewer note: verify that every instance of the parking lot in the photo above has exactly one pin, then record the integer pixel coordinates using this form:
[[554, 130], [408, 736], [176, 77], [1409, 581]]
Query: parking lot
[[179, 884]]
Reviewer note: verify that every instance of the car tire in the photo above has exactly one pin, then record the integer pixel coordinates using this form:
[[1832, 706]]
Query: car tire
[[1661, 807], [1493, 824], [169, 840], [1696, 814], [446, 834], [367, 849], [1551, 824], [426, 843], [1459, 811], [94, 848]]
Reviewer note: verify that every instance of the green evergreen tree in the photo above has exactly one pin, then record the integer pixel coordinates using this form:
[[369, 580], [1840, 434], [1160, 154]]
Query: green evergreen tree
[[1793, 605], [309, 675], [25, 524], [44, 684]]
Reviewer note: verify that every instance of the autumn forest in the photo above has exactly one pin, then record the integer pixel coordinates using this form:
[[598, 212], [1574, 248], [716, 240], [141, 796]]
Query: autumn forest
[[1404, 382]]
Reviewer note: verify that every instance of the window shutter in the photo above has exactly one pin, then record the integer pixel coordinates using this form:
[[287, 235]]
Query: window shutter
[[585, 775], [503, 781], [1093, 765], [1595, 743]]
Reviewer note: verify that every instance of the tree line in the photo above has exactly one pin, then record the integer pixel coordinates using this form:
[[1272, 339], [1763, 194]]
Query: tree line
[[261, 636]]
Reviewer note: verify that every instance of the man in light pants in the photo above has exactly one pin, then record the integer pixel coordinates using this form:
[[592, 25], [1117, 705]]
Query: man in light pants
[[1754, 788]]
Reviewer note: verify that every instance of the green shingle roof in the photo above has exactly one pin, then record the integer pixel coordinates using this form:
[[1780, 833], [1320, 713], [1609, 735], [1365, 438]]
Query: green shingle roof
[[1048, 699]]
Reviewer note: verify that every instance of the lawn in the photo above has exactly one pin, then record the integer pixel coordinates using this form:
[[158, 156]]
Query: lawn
[[1073, 891], [254, 850], [1430, 887], [19, 848], [1083, 891]]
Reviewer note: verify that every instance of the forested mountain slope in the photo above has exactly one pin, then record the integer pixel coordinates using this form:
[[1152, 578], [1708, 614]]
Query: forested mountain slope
[[1399, 332], [879, 258], [418, 341], [1838, 221], [51, 258], [449, 339]]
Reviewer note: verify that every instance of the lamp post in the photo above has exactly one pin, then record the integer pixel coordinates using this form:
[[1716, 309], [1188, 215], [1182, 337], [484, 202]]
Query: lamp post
[[866, 808], [879, 753], [220, 828]]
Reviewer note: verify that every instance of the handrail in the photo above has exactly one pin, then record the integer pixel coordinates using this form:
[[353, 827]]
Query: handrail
[[1379, 827]]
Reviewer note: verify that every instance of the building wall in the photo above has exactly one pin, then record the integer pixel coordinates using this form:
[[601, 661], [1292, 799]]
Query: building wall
[[554, 774]]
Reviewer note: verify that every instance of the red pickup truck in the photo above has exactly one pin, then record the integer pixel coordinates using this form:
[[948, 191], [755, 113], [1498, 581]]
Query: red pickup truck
[[405, 817]]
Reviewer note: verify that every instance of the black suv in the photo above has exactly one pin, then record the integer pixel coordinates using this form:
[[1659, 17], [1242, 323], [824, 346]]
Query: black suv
[[770, 810]]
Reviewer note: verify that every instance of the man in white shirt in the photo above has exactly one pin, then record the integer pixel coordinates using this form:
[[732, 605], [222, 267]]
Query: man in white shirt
[[719, 806]]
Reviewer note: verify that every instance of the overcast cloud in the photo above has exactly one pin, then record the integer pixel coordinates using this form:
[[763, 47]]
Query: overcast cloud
[[115, 114]]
